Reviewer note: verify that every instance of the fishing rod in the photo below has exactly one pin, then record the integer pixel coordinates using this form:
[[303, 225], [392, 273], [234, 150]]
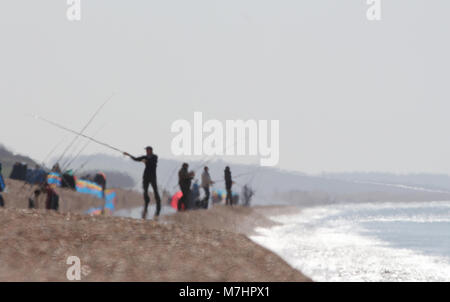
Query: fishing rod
[[205, 159], [81, 167], [88, 142], [44, 160], [68, 157], [244, 174], [72, 131], [203, 162], [53, 151], [252, 172], [256, 186], [254, 175], [78, 134]]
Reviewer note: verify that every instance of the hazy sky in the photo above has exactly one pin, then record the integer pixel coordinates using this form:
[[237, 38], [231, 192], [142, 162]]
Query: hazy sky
[[350, 94]]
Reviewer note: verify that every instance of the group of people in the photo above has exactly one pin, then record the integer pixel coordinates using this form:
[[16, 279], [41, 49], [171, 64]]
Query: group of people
[[67, 181], [190, 197], [185, 178], [52, 201]]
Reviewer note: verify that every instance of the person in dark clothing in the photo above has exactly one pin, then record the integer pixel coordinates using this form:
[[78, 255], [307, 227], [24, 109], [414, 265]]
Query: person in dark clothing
[[68, 180], [228, 184], [184, 180], [100, 179], [52, 202], [2, 187], [33, 203], [19, 172], [149, 177]]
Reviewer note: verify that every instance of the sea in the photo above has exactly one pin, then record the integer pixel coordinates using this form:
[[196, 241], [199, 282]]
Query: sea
[[136, 212], [365, 242]]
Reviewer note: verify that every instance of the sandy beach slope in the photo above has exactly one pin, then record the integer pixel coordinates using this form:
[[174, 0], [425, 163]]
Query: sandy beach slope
[[192, 246]]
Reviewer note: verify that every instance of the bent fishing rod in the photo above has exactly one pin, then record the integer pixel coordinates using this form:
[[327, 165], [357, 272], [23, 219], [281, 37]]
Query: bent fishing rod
[[78, 133]]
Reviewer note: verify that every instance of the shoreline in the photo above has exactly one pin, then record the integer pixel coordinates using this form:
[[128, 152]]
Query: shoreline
[[386, 242]]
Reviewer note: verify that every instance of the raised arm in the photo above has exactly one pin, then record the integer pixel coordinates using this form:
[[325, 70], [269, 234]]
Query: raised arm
[[140, 158]]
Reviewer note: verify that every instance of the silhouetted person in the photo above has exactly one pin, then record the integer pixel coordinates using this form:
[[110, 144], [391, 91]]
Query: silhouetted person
[[149, 177], [52, 202], [228, 185], [247, 194], [206, 183], [2, 187], [33, 202], [100, 179], [184, 180]]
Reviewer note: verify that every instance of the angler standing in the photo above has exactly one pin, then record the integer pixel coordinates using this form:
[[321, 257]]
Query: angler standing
[[206, 183], [52, 202], [149, 177], [184, 180], [100, 179], [228, 184]]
